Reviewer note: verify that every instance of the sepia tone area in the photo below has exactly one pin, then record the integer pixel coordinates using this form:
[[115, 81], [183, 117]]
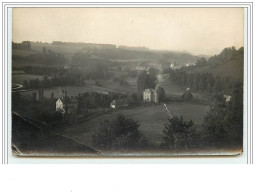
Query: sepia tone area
[[127, 81]]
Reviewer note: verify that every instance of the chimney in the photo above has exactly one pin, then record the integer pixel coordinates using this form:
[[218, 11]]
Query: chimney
[[65, 93]]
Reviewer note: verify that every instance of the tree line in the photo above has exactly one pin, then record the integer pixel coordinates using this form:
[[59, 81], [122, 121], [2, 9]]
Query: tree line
[[226, 55], [47, 57], [24, 45]]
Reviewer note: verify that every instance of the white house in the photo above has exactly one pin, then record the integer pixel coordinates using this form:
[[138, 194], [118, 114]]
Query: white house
[[67, 105], [151, 95], [119, 103], [227, 98]]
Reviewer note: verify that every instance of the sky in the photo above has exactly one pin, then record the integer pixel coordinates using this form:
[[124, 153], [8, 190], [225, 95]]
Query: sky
[[196, 30]]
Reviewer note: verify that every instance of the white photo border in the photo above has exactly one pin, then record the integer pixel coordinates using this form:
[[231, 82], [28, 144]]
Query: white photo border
[[5, 99]]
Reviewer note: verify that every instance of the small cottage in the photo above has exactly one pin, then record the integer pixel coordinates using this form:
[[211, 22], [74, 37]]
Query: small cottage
[[67, 105], [119, 103], [227, 98]]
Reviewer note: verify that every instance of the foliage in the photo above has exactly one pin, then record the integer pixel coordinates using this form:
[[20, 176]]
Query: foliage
[[122, 81], [204, 81], [161, 93], [145, 81], [25, 45], [224, 121], [179, 134], [50, 58], [119, 133]]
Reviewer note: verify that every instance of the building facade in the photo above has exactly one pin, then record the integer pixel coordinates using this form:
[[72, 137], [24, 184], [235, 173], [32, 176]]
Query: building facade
[[151, 95], [119, 103], [67, 105]]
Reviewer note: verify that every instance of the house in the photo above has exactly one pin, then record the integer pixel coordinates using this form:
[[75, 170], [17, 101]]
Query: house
[[187, 95], [67, 105], [140, 68], [119, 103], [227, 98], [172, 65], [151, 95]]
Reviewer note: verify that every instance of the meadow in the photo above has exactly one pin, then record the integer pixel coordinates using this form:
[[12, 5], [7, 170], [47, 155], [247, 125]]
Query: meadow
[[151, 118], [19, 78]]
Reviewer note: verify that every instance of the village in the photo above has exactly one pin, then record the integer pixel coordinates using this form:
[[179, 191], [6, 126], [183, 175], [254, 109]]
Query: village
[[68, 108], [69, 104], [92, 94]]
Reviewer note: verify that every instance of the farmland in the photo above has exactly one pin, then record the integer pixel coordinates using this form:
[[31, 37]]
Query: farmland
[[19, 78], [151, 119]]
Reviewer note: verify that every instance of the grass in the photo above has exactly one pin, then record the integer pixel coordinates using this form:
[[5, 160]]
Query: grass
[[151, 118], [71, 90], [107, 86], [23, 53], [29, 140], [19, 78], [115, 86]]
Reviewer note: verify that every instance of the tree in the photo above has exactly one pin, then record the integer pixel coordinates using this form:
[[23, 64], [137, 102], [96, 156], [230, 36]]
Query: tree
[[224, 121], [201, 62], [120, 132], [179, 134], [44, 50], [141, 81], [145, 81], [25, 84], [161, 93]]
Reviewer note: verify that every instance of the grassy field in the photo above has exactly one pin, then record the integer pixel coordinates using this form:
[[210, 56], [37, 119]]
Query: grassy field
[[150, 117], [23, 53], [107, 86], [115, 86], [67, 51], [19, 78]]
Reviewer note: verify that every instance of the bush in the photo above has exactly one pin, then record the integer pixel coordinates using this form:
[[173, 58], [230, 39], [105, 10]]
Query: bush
[[119, 133], [179, 134]]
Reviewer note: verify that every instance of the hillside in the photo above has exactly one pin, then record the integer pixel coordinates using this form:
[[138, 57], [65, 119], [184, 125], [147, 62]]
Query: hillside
[[29, 139], [116, 53], [231, 65]]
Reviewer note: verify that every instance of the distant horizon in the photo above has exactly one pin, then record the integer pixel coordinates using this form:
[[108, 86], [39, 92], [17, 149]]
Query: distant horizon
[[150, 49], [200, 31]]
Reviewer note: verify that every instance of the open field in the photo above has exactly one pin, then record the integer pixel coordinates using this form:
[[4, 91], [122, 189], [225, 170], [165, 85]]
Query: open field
[[71, 90], [150, 117], [67, 51], [23, 53], [232, 69], [19, 78], [106, 86], [115, 86]]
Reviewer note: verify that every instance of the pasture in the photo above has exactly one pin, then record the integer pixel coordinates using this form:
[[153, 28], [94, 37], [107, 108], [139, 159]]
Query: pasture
[[151, 118], [23, 53], [19, 78], [115, 86]]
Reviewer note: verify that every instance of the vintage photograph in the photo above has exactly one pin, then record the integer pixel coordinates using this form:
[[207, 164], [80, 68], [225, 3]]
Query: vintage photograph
[[136, 82]]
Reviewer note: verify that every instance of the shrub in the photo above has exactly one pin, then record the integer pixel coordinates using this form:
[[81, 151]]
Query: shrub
[[179, 134], [120, 132]]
